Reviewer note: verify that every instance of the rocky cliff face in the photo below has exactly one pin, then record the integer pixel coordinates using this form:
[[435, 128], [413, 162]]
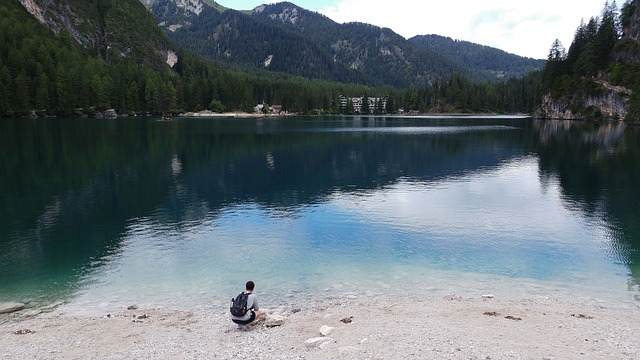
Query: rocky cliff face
[[632, 29], [58, 15], [611, 104], [189, 6], [552, 108], [124, 29]]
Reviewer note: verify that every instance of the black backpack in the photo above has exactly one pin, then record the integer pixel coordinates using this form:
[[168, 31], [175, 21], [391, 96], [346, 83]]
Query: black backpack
[[239, 305]]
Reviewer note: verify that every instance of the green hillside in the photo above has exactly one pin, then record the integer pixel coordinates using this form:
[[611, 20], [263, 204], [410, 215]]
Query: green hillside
[[488, 62]]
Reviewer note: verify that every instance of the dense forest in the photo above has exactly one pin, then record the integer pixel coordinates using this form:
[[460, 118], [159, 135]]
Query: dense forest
[[460, 95], [488, 62]]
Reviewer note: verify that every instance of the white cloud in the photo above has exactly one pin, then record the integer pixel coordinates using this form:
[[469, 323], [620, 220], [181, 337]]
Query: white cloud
[[525, 28]]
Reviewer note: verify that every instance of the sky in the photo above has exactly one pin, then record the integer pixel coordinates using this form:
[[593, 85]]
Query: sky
[[522, 27]]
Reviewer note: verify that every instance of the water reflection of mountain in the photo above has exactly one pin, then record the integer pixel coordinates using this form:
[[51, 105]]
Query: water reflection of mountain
[[598, 166], [295, 167], [70, 188]]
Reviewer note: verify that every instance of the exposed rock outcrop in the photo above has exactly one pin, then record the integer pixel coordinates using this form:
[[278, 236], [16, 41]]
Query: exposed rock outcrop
[[34, 10], [552, 108], [188, 6], [612, 104], [172, 58], [107, 114]]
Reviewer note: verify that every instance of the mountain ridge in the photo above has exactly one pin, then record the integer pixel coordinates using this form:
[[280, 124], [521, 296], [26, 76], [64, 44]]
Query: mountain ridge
[[484, 58], [352, 52]]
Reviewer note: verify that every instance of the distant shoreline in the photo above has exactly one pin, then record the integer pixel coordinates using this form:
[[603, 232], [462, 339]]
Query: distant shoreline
[[259, 116], [238, 115]]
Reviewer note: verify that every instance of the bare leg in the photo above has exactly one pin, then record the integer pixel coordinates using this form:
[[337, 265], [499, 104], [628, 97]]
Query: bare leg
[[257, 319]]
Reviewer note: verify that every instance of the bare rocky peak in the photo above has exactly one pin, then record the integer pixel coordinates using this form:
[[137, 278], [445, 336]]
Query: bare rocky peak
[[189, 6], [289, 14], [286, 13]]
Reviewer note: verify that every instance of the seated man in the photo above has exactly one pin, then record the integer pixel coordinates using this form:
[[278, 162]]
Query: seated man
[[252, 307]]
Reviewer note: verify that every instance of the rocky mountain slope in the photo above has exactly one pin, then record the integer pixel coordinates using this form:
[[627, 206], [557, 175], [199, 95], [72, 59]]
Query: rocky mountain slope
[[286, 38], [109, 29], [235, 38]]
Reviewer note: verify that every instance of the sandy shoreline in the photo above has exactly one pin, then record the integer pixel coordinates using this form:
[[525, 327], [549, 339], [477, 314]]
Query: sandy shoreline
[[440, 326], [238, 115]]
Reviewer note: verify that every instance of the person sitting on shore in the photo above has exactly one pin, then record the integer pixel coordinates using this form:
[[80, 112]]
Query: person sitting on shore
[[251, 308]]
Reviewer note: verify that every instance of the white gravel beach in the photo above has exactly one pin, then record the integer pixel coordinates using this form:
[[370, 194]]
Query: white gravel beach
[[443, 326]]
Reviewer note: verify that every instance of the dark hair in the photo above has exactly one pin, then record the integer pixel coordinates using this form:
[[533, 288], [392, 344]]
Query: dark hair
[[250, 285]]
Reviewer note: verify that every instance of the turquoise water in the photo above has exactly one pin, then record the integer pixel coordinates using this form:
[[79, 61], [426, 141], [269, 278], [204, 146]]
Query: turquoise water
[[103, 214]]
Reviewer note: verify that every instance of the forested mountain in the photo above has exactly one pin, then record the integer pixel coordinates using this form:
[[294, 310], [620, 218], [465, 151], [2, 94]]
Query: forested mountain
[[82, 57], [286, 38], [489, 62], [75, 55], [235, 38], [378, 53], [79, 57], [599, 76]]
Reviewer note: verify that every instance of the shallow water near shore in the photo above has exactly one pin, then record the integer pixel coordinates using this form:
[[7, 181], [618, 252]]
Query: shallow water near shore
[[106, 214]]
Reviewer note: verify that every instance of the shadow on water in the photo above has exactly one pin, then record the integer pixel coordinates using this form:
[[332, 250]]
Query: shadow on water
[[72, 187], [598, 166]]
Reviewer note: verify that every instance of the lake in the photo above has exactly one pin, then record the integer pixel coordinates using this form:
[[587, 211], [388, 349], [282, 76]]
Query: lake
[[101, 214]]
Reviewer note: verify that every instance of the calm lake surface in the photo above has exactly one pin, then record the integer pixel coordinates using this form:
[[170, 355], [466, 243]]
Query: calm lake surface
[[102, 214]]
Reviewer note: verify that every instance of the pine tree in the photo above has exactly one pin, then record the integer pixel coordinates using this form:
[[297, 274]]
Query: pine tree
[[606, 37]]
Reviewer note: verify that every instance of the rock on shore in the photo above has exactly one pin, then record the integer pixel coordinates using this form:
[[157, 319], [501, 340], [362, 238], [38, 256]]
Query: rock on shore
[[7, 308]]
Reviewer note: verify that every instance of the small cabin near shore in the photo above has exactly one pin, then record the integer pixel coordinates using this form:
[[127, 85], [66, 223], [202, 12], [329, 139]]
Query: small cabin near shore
[[271, 109]]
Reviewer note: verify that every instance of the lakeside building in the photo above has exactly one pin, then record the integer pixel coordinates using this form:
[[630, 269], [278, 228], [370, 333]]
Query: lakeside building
[[358, 102], [273, 109]]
